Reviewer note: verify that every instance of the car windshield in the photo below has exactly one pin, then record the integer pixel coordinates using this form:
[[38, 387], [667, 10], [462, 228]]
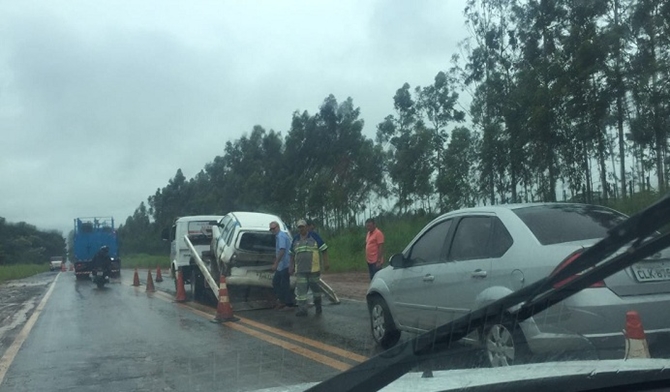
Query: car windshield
[[567, 223], [340, 195]]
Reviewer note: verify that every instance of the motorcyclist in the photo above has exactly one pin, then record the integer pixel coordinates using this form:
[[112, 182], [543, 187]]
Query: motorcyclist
[[101, 261]]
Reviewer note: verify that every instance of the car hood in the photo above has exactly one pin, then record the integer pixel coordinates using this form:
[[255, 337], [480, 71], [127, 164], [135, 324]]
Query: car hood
[[548, 376]]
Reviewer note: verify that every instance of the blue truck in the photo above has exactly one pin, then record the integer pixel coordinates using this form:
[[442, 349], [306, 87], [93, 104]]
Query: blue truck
[[90, 234]]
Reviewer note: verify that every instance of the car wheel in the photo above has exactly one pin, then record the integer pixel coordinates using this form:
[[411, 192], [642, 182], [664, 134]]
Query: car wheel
[[197, 285], [504, 345], [383, 328]]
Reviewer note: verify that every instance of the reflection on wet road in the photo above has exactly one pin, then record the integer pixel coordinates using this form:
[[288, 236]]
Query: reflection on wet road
[[122, 338]]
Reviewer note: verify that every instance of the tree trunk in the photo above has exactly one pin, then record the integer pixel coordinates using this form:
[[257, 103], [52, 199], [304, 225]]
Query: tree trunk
[[603, 166]]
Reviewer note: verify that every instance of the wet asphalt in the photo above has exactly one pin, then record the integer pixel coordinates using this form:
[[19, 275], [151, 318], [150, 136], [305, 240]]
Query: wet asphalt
[[121, 338]]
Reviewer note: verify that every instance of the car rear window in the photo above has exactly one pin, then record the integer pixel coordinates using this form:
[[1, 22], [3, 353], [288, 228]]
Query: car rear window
[[257, 241], [567, 223]]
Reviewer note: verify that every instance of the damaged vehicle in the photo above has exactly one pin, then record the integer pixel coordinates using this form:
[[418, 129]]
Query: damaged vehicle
[[243, 248]]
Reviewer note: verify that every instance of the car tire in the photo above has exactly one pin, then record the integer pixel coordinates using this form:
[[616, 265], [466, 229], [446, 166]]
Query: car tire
[[383, 328], [504, 345], [197, 285]]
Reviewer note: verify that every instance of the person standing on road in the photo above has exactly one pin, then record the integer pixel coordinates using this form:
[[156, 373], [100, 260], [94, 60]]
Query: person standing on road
[[281, 281], [374, 247], [307, 252]]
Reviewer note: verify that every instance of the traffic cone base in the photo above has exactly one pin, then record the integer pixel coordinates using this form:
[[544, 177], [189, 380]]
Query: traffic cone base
[[136, 279], [636, 341], [181, 292], [150, 283], [224, 311], [159, 276]]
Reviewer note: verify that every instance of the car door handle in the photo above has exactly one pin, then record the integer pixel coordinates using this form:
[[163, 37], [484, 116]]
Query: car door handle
[[428, 278], [478, 274]]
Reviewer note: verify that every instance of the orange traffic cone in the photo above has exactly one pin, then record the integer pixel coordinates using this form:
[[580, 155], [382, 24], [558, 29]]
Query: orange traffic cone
[[181, 292], [636, 342], [159, 276], [150, 283], [136, 279], [224, 312]]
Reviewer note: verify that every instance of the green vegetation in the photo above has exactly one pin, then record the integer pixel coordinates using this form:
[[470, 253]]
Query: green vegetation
[[19, 271], [22, 243], [142, 260], [346, 249], [634, 204]]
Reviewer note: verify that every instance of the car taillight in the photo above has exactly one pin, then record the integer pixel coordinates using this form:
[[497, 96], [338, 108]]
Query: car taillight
[[573, 256]]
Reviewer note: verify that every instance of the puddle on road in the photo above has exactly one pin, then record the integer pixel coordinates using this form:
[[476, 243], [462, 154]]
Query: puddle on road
[[18, 299], [24, 284], [14, 318]]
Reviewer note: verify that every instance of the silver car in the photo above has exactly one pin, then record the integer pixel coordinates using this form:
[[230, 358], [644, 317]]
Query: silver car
[[469, 258]]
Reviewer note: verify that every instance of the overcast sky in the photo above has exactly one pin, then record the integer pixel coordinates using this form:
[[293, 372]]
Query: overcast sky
[[102, 102]]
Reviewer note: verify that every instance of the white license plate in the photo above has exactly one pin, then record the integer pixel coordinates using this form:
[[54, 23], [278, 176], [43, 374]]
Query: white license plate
[[265, 275], [651, 272]]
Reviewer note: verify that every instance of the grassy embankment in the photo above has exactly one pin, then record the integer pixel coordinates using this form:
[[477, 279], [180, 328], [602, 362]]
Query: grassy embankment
[[145, 261], [19, 271], [346, 249]]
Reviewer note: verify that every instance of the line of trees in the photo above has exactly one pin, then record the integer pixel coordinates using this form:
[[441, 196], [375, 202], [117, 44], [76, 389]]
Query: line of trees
[[25, 244], [569, 100]]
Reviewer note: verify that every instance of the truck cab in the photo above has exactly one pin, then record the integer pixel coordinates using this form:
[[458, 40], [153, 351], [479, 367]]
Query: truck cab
[[199, 231]]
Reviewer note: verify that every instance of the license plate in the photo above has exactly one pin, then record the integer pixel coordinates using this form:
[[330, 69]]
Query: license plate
[[265, 275], [651, 272]]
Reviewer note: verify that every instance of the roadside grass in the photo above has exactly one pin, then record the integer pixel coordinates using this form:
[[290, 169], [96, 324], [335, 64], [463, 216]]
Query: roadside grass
[[19, 271], [143, 260], [631, 205], [346, 250]]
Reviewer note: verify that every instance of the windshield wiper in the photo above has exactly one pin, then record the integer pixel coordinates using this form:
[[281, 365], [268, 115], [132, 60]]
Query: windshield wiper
[[590, 267]]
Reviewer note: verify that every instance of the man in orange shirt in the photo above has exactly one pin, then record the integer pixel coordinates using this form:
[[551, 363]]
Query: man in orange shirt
[[374, 247]]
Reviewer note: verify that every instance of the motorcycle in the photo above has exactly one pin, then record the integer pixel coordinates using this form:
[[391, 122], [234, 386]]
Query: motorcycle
[[100, 277]]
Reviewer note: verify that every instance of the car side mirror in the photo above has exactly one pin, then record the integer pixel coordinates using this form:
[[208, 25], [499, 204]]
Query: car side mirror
[[398, 261]]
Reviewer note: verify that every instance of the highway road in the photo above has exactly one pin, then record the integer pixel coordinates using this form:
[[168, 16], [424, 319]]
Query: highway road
[[122, 338], [60, 334]]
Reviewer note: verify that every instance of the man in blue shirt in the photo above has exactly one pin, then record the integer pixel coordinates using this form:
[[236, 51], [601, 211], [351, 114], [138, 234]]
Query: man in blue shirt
[[281, 281]]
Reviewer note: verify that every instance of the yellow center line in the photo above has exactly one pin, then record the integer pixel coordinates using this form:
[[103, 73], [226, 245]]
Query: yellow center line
[[301, 339], [278, 342], [339, 365]]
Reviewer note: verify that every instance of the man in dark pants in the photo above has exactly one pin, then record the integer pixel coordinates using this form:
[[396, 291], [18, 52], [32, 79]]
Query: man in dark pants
[[307, 256], [281, 281]]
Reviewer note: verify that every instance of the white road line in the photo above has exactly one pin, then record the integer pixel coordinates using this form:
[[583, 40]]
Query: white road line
[[10, 354]]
